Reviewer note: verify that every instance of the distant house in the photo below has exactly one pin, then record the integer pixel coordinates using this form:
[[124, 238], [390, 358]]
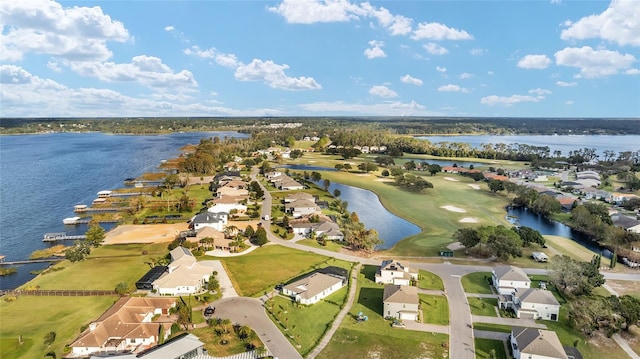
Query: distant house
[[219, 240], [540, 257], [327, 229], [216, 221], [508, 279], [131, 324], [314, 287], [289, 184], [533, 343], [185, 345], [299, 196], [401, 302], [301, 207], [393, 272], [227, 208], [185, 275], [534, 303], [627, 223]]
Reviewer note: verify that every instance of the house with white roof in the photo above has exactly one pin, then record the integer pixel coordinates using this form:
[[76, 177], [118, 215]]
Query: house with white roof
[[535, 303], [301, 207], [393, 272], [534, 343], [216, 221], [314, 287], [329, 230], [401, 302], [185, 275]]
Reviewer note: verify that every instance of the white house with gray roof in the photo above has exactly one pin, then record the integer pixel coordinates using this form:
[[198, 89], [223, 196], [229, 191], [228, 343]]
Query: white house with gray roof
[[508, 280], [185, 275], [534, 343], [534, 303], [393, 272], [314, 287], [216, 220], [401, 302]]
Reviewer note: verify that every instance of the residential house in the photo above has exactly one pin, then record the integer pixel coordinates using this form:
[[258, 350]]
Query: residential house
[[314, 287], [627, 223], [534, 303], [227, 208], [231, 191], [289, 184], [401, 302], [393, 272], [508, 281], [540, 257], [301, 207], [618, 198], [185, 275], [131, 324], [216, 221], [534, 343], [219, 240], [298, 196], [327, 229], [183, 346]]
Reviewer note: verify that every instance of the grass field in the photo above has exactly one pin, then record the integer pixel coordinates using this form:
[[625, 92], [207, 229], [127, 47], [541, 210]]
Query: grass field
[[476, 283], [484, 348], [428, 280], [492, 327], [435, 309], [305, 325], [571, 249], [331, 245], [375, 338], [103, 269], [483, 306], [262, 269], [34, 317], [212, 342]]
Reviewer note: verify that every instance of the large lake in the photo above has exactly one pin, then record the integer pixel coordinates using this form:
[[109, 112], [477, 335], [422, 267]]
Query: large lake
[[43, 176]]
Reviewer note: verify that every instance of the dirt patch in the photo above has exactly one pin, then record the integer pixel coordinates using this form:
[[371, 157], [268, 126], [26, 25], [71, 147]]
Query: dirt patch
[[144, 233], [451, 179], [454, 209], [468, 220], [625, 287], [384, 180], [474, 186]]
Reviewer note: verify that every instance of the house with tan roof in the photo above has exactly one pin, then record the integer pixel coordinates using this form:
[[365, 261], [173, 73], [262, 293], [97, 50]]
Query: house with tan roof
[[301, 207], [329, 230], [185, 275], [534, 343], [535, 303], [314, 287], [132, 324], [299, 196], [401, 302], [217, 241], [393, 272]]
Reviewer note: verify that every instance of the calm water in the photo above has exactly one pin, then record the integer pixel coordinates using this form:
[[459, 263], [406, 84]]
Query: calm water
[[561, 143], [43, 176]]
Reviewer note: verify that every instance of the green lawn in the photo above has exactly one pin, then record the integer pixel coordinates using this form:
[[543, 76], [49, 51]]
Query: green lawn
[[428, 280], [103, 269], [492, 327], [331, 245], [212, 342], [262, 269], [435, 309], [476, 283], [34, 317], [483, 306], [375, 338], [484, 349], [305, 325]]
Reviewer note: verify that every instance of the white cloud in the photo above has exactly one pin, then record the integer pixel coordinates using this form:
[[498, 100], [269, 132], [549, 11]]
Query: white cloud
[[569, 102], [620, 24], [565, 84], [465, 75], [437, 31], [314, 11], [396, 24], [540, 92], [395, 108], [507, 101], [594, 63], [534, 62], [54, 66], [452, 88], [441, 69], [273, 75], [632, 72], [376, 50], [556, 2], [227, 60], [143, 69], [382, 91], [408, 79], [196, 51], [490, 73], [45, 27], [435, 49], [478, 52], [169, 28]]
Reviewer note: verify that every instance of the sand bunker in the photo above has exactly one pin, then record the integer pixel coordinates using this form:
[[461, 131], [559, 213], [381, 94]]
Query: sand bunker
[[468, 220], [454, 209], [144, 233], [451, 179], [474, 186]]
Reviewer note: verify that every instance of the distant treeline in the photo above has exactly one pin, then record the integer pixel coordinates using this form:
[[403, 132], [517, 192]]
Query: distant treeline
[[328, 125]]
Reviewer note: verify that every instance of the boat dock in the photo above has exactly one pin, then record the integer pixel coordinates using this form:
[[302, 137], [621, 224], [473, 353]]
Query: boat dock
[[85, 209], [78, 220], [61, 236], [29, 261]]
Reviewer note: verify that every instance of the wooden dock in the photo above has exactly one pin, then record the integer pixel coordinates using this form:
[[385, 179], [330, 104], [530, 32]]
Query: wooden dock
[[101, 209], [54, 237]]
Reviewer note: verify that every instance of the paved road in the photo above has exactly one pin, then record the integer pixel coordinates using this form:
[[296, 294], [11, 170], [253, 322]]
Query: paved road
[[226, 287], [485, 334], [250, 312]]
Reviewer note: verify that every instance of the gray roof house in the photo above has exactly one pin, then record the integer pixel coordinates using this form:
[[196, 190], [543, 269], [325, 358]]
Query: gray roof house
[[534, 343], [534, 303], [301, 207], [216, 221], [401, 302], [314, 287]]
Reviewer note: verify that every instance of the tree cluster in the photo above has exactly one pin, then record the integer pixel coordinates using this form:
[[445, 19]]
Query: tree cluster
[[592, 314], [575, 278], [498, 241], [412, 182]]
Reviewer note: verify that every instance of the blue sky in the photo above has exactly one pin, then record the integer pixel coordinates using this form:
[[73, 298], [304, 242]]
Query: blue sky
[[553, 58]]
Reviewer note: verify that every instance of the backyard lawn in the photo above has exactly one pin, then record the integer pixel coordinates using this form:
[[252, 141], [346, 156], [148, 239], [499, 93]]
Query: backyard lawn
[[483, 306], [477, 283], [259, 271], [34, 317], [435, 309], [428, 280], [485, 348], [375, 338]]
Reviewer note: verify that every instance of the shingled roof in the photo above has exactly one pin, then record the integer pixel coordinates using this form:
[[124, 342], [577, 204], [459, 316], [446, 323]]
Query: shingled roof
[[541, 342]]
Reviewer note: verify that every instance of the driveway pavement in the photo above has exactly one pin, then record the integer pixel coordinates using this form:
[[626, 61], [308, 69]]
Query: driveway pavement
[[485, 334], [516, 322], [228, 291]]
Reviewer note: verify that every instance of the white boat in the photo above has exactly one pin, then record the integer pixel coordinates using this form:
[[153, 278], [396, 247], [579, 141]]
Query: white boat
[[71, 220]]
